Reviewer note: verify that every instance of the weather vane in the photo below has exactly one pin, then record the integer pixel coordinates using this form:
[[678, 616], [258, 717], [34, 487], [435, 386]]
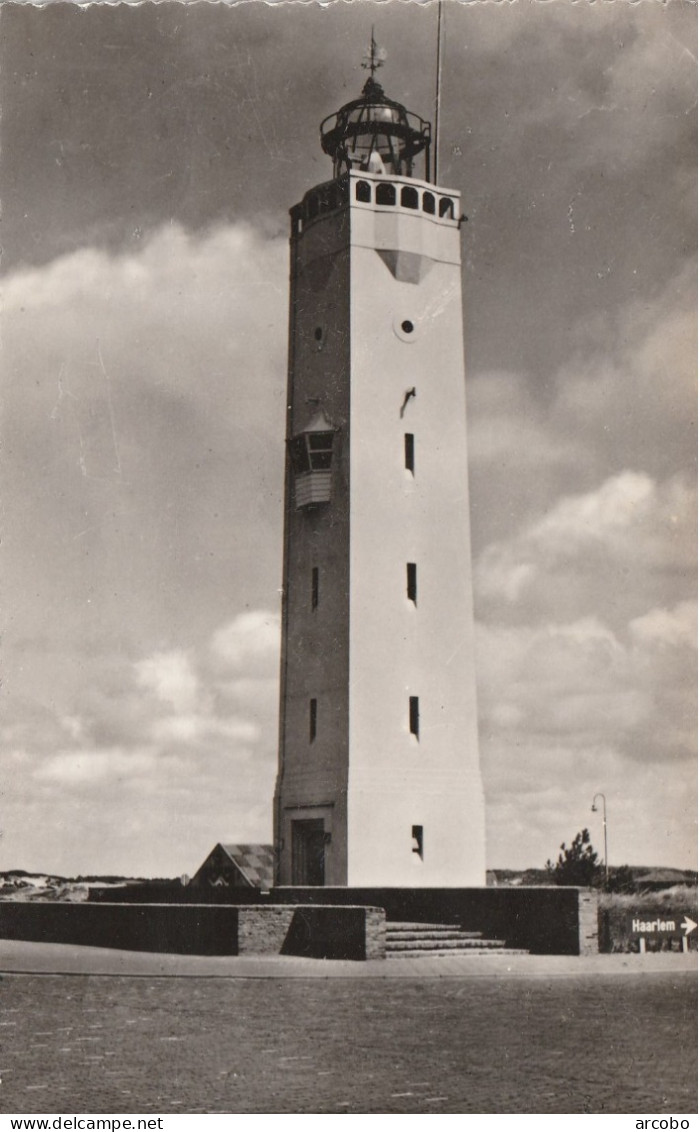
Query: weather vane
[[374, 57]]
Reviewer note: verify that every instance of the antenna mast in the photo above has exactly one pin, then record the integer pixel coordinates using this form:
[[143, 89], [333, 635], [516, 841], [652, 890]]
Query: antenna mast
[[438, 85]]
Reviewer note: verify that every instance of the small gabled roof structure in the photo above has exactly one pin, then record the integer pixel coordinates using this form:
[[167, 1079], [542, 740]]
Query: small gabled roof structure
[[237, 866]]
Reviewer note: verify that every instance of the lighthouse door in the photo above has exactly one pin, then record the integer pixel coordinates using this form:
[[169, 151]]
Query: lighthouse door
[[308, 852]]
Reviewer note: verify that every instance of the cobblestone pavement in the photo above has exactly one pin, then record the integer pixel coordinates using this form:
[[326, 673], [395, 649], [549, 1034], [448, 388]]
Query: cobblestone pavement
[[625, 1043]]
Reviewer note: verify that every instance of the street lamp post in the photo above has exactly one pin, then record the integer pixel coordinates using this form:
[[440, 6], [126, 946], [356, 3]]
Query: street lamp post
[[594, 809]]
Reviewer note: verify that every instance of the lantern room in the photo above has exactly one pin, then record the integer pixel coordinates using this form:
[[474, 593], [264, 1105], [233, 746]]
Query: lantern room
[[376, 135]]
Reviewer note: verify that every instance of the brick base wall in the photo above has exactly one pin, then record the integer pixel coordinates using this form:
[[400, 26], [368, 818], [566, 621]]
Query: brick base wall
[[544, 920], [587, 921], [319, 932], [262, 931], [176, 929], [375, 933], [332, 932]]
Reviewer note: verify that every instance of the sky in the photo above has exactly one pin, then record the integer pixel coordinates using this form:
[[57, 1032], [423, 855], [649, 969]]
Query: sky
[[151, 155]]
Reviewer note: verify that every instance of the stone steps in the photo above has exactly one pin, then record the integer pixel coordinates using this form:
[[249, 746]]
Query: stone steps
[[445, 934], [445, 944], [417, 926], [456, 953], [409, 940]]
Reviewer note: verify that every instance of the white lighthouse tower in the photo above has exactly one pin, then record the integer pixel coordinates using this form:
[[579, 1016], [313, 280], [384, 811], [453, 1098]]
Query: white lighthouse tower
[[379, 781]]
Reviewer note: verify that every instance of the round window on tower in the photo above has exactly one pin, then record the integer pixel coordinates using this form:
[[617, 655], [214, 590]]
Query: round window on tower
[[406, 327]]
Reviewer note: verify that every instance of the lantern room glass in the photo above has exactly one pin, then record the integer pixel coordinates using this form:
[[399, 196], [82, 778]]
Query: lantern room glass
[[376, 135]]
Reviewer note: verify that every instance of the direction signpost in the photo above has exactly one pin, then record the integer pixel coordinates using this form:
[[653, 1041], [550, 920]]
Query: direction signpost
[[672, 926]]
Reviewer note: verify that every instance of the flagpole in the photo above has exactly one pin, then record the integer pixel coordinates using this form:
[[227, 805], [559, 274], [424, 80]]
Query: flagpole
[[438, 84]]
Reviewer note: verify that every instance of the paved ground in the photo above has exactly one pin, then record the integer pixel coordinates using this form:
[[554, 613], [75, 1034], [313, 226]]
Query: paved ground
[[496, 1036], [57, 958]]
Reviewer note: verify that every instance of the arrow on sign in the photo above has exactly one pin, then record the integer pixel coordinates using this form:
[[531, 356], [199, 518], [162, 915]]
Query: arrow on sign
[[688, 925]]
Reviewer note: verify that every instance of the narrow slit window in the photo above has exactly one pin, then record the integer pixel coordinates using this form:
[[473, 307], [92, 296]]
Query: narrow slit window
[[417, 839], [412, 582], [314, 588], [413, 716], [410, 452], [313, 719]]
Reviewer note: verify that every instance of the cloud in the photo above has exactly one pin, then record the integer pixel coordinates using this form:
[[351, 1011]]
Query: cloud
[[649, 82], [569, 709], [192, 731], [623, 399], [170, 676], [628, 392], [507, 424], [668, 627], [220, 697], [248, 644], [582, 685], [145, 400], [582, 554], [628, 514], [538, 798], [145, 403], [584, 507], [89, 769]]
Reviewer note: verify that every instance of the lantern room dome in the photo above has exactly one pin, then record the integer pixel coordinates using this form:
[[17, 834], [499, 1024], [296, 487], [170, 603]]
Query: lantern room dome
[[376, 135]]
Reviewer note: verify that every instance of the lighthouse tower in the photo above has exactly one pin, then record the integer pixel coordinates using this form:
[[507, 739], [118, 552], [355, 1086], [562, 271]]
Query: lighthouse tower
[[378, 781]]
